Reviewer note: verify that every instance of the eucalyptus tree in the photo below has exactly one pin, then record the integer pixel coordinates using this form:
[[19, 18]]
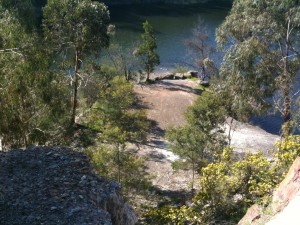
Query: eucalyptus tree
[[147, 49], [262, 55], [30, 96], [77, 30]]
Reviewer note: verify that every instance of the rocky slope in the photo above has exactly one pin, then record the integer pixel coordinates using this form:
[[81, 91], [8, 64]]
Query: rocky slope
[[44, 185]]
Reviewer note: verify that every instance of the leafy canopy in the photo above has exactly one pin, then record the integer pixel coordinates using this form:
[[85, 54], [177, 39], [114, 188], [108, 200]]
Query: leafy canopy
[[261, 39], [81, 25]]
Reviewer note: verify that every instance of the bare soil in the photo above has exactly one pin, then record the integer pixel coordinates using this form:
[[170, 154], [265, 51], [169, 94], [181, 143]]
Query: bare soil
[[165, 103]]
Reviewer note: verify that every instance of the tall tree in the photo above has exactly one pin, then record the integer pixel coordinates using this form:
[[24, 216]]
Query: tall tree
[[76, 29], [263, 53], [198, 45], [119, 123], [147, 49], [201, 138]]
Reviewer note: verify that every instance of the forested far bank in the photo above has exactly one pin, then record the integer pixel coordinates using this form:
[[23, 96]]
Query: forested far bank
[[175, 2]]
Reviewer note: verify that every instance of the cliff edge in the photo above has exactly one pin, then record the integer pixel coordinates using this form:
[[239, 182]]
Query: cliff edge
[[43, 185]]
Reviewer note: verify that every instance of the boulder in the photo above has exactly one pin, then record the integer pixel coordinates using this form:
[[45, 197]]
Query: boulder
[[53, 185], [204, 83], [192, 73], [179, 76], [167, 76]]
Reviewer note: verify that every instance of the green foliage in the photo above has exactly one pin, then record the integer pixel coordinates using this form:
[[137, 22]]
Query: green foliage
[[288, 151], [169, 215], [204, 120], [33, 99], [23, 11], [79, 25], [114, 116], [132, 173], [261, 38], [201, 138], [227, 188], [147, 49], [76, 30], [118, 122]]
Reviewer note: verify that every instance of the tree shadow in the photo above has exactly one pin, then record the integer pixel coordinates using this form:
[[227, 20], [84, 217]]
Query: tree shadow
[[171, 86], [173, 197]]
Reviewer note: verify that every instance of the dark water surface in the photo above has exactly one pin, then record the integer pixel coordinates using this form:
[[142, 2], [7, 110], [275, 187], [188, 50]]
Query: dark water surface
[[172, 25]]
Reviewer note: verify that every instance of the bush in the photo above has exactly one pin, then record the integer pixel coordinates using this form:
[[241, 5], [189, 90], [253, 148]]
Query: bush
[[288, 150], [227, 188]]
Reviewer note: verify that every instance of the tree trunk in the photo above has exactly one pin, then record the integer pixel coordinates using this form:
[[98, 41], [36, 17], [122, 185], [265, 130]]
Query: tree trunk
[[287, 113], [119, 164], [286, 86], [193, 179], [148, 75], [75, 87], [229, 132]]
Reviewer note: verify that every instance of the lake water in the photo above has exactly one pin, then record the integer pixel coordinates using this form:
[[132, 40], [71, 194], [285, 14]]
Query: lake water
[[173, 24]]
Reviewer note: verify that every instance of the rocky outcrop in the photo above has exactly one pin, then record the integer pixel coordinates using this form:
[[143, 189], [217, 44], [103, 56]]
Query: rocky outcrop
[[43, 185], [174, 76], [285, 202]]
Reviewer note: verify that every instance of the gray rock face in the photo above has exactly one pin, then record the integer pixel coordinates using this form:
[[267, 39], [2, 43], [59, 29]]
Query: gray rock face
[[43, 185]]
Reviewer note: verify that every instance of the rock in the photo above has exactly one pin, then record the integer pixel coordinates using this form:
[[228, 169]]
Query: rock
[[253, 213], [187, 75], [204, 83], [165, 76], [178, 76], [192, 73], [43, 185], [288, 188]]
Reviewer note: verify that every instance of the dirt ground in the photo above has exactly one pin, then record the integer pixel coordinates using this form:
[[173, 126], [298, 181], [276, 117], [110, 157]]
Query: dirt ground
[[165, 103]]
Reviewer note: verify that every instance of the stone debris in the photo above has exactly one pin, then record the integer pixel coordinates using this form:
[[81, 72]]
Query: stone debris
[[53, 185]]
